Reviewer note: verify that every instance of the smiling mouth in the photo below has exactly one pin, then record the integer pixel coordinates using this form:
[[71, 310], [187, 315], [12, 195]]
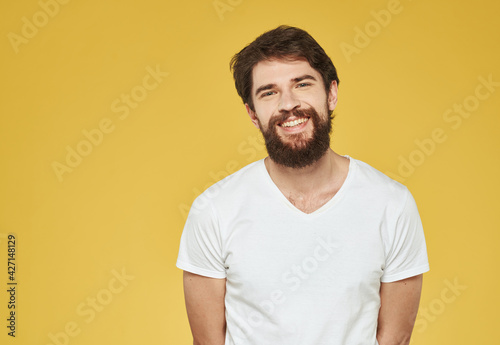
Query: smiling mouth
[[293, 123]]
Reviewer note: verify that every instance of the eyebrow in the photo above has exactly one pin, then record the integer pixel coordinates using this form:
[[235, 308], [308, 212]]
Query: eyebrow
[[294, 80]]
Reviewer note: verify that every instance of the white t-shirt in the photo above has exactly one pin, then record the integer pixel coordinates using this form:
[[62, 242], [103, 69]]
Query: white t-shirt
[[297, 278]]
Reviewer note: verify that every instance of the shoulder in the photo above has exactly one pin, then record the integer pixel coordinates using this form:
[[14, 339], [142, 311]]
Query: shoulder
[[375, 184], [236, 184]]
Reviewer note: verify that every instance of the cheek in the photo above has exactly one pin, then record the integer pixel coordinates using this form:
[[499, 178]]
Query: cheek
[[263, 123], [263, 114], [319, 103], [264, 110]]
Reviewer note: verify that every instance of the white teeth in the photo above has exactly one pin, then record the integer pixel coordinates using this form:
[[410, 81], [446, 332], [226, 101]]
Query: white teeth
[[294, 122]]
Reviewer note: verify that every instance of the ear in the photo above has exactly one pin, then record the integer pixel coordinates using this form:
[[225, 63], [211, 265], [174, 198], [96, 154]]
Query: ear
[[332, 95], [253, 116]]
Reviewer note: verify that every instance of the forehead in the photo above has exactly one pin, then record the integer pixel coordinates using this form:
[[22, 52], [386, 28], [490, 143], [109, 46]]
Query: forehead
[[281, 71]]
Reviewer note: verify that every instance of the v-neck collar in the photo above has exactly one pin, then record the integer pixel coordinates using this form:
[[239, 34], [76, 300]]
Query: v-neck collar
[[327, 205]]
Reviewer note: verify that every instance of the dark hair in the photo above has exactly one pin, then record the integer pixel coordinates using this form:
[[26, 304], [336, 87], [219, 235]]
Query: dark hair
[[284, 42]]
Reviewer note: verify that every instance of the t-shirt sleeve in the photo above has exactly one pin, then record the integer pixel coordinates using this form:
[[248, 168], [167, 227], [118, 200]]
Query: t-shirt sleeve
[[405, 247], [200, 249]]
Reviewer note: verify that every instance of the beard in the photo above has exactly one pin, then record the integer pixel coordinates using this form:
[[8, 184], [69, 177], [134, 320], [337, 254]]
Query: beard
[[298, 151]]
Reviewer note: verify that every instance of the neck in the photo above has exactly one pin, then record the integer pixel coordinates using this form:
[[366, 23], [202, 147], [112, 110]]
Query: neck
[[308, 180]]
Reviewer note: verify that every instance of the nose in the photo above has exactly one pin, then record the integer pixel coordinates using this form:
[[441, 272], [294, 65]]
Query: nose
[[288, 101]]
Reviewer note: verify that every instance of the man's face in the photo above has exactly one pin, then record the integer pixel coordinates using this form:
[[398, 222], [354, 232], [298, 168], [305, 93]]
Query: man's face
[[291, 110]]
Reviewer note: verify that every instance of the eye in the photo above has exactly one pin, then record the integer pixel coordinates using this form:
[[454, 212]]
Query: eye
[[265, 94], [303, 84]]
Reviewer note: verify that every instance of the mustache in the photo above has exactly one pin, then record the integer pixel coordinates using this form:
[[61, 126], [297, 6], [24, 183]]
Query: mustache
[[283, 116]]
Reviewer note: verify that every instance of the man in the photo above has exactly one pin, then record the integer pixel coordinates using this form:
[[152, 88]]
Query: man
[[306, 246]]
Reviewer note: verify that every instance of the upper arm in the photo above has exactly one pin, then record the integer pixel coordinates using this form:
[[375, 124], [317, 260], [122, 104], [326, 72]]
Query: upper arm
[[399, 302], [205, 307]]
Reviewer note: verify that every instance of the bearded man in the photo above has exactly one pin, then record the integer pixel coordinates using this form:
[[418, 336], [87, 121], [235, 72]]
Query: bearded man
[[305, 246]]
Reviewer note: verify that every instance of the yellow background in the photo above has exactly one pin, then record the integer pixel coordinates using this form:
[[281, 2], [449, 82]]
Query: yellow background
[[124, 205]]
